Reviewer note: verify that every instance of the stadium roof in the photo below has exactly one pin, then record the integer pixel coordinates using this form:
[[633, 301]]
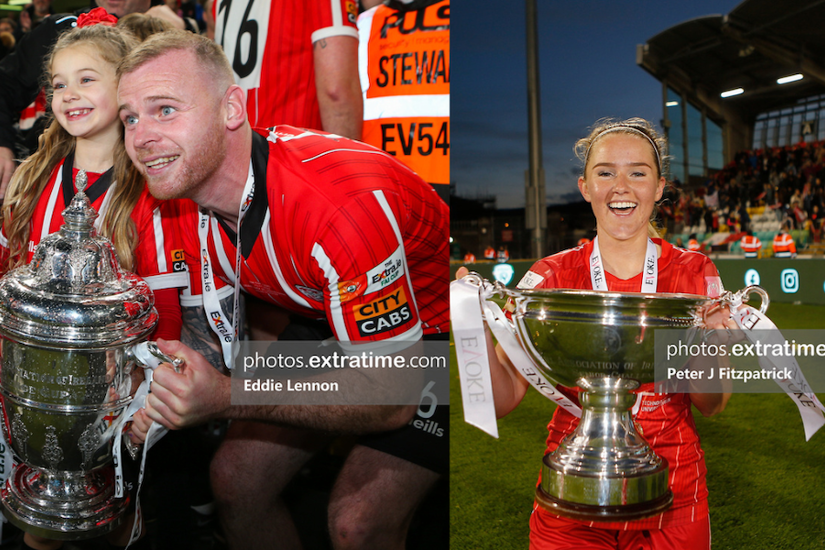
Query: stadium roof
[[750, 48]]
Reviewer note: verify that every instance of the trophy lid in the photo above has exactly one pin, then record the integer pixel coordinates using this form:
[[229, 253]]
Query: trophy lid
[[74, 294]]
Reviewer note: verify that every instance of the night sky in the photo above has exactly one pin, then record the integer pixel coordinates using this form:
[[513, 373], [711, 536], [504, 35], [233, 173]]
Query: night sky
[[587, 57]]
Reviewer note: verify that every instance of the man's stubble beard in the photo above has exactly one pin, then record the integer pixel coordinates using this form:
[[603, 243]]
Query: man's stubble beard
[[195, 171]]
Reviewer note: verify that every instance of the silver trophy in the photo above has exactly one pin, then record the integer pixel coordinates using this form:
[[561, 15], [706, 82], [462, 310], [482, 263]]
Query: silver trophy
[[70, 324], [603, 343]]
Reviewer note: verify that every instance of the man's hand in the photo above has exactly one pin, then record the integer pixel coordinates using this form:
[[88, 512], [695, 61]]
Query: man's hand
[[139, 427], [7, 168], [197, 394], [25, 21]]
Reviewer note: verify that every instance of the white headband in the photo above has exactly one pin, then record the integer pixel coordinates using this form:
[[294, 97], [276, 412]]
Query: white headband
[[625, 129]]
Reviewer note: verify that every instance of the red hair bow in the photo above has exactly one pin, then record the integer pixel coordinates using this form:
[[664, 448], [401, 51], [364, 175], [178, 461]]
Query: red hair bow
[[97, 16]]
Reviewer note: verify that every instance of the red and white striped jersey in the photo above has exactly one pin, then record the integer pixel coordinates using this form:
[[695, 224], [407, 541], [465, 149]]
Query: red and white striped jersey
[[665, 420], [158, 255], [336, 229], [35, 110], [269, 45]]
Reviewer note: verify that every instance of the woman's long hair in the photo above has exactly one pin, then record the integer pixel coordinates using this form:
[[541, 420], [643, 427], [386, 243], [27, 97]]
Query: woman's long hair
[[30, 179]]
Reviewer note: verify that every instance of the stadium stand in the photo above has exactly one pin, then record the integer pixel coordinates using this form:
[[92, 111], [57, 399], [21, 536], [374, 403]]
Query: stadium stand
[[759, 190], [755, 159]]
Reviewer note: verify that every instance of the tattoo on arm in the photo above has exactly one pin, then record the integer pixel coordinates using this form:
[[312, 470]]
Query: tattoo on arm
[[196, 334], [321, 43]]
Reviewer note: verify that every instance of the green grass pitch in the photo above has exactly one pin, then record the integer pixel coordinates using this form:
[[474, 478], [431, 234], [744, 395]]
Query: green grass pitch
[[766, 483]]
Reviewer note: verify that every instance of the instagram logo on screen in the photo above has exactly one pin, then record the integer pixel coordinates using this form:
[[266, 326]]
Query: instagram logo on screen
[[789, 279]]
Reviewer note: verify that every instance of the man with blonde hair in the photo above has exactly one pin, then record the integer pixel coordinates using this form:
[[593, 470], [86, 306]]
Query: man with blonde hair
[[314, 223]]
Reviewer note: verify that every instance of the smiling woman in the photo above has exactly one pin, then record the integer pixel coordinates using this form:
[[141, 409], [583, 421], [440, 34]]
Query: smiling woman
[[622, 180]]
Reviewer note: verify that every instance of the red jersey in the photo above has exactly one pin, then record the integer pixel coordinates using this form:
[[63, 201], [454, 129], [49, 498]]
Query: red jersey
[[158, 256], [269, 45], [336, 229], [665, 420]]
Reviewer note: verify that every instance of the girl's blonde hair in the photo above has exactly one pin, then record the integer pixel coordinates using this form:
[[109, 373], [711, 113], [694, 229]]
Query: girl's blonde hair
[[30, 179], [632, 126]]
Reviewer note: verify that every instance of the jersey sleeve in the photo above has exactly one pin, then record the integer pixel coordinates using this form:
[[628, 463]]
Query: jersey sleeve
[[4, 249], [184, 219], [157, 261], [362, 268], [713, 282], [334, 18], [158, 255]]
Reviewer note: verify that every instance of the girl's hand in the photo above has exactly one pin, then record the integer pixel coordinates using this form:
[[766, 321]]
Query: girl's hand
[[718, 318]]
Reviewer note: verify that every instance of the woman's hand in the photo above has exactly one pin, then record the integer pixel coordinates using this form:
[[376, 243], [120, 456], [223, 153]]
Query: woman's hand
[[509, 386], [722, 330]]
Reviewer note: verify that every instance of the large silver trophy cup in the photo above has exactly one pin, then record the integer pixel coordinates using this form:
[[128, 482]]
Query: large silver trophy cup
[[603, 343], [70, 322]]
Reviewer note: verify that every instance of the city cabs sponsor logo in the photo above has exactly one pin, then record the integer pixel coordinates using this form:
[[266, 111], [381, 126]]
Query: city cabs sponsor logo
[[352, 11], [178, 261], [382, 314]]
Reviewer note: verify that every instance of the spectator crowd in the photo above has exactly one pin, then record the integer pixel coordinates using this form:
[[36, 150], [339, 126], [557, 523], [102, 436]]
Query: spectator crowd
[[763, 190]]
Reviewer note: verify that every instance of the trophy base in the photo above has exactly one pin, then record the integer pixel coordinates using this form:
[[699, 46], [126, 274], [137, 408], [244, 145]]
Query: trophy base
[[589, 512], [62, 505], [603, 497]]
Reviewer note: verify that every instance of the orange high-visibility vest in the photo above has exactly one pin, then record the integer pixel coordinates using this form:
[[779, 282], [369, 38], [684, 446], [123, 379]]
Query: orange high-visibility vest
[[404, 62], [783, 245], [694, 245], [750, 246]]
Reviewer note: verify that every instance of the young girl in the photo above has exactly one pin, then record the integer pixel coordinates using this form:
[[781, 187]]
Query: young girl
[[86, 134], [622, 179]]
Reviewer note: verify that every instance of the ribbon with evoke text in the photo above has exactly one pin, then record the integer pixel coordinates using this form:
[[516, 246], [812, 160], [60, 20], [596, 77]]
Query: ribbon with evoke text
[[470, 307], [650, 271], [758, 328]]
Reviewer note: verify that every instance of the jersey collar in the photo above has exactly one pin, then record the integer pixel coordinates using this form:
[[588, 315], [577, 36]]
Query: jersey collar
[[94, 191], [255, 216]]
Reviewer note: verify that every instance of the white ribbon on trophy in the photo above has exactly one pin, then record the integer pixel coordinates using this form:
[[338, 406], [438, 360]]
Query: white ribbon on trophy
[[471, 355], [466, 302], [757, 328], [148, 357]]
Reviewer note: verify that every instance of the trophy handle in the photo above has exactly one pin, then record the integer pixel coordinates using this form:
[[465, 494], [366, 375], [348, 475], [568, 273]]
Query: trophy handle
[[746, 292], [149, 356], [736, 299]]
